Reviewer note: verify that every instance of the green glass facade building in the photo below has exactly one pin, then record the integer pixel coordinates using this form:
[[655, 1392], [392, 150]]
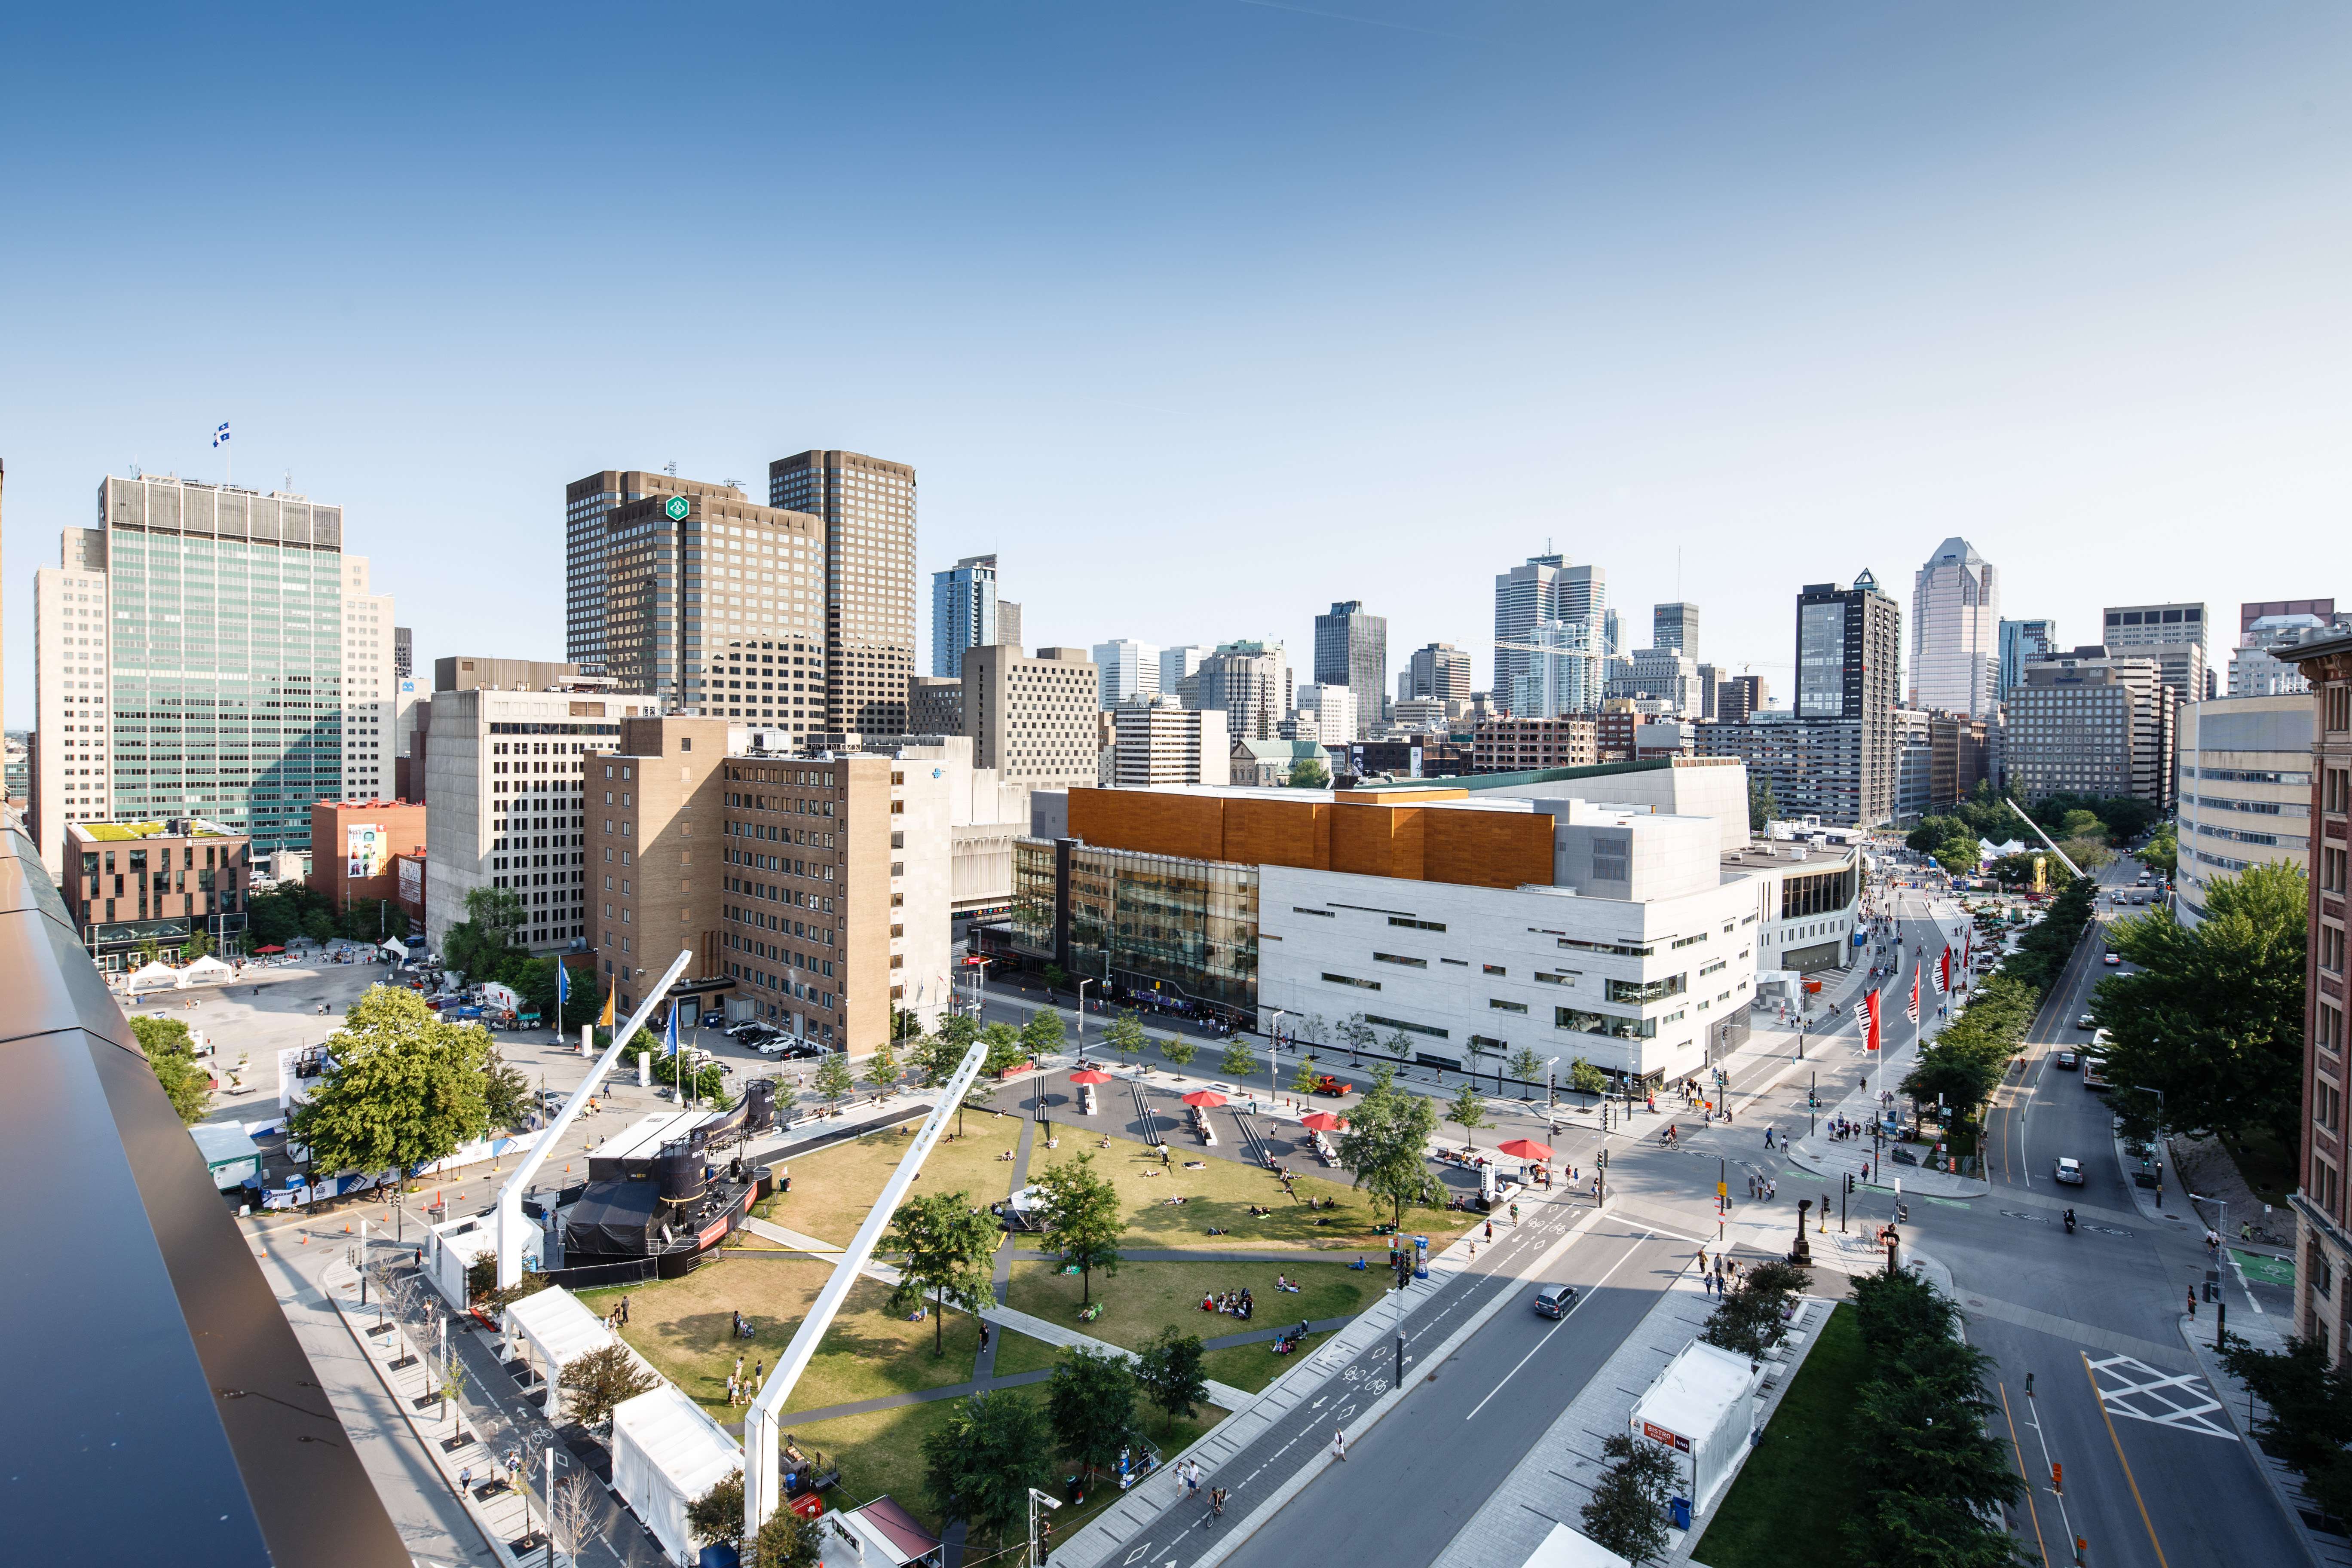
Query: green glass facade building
[[1150, 924], [224, 625]]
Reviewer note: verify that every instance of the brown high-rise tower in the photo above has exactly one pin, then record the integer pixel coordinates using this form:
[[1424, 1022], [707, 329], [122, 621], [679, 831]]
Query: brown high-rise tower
[[868, 509]]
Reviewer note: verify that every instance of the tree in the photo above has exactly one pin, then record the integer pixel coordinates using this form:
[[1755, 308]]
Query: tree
[[602, 1380], [1170, 1369], [882, 1070], [2310, 1419], [979, 1463], [506, 1099], [1525, 1065], [1627, 1511], [1400, 1044], [786, 1541], [937, 1055], [196, 947], [1749, 1321], [1082, 1220], [571, 1516], [1004, 1049], [403, 1087], [1960, 852], [170, 1052], [1308, 773], [1467, 1111], [318, 926], [1239, 1061], [1125, 1034], [1302, 1081], [480, 945], [1386, 1143], [1357, 1034], [2213, 1017], [1044, 1034], [943, 1248], [832, 1078], [1179, 1049], [1586, 1079], [1761, 807], [2162, 853], [1090, 1403], [717, 1516], [1056, 977]]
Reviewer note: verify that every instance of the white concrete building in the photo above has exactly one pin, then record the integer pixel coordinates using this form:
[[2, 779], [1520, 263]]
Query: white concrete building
[[1334, 711], [2245, 791], [502, 771], [1128, 669], [1644, 942], [371, 687], [70, 772], [1162, 742], [1956, 632]]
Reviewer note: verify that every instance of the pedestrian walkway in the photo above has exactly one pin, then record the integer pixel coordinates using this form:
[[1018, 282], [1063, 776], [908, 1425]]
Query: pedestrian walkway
[[2265, 1332], [449, 1443], [796, 1240]]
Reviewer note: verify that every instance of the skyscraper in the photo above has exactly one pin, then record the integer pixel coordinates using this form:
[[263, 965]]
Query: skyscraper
[[587, 506], [1562, 672], [2023, 643], [1351, 650], [1849, 654], [1955, 633], [368, 684], [1440, 672], [1675, 626], [2171, 635], [1177, 666], [867, 507], [963, 611], [1128, 669], [688, 577], [1251, 682], [1547, 588]]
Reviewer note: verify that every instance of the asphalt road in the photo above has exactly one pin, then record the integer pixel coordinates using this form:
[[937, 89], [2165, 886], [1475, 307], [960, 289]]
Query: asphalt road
[[1417, 1478]]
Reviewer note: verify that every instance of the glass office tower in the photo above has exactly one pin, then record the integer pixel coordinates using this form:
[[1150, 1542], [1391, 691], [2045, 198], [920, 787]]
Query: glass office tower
[[224, 616]]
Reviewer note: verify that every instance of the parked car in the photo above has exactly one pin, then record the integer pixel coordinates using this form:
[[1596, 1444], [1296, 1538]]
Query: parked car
[[1554, 1301], [748, 1027], [2069, 1171], [2066, 1061], [1327, 1084], [2086, 1022]]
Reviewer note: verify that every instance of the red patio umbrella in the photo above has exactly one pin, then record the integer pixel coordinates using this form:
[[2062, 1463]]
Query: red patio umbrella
[[1526, 1149], [269, 950], [1323, 1122], [1091, 1075], [1204, 1098]]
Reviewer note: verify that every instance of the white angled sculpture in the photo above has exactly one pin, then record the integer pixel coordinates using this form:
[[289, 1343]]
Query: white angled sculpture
[[762, 1492], [513, 1231]]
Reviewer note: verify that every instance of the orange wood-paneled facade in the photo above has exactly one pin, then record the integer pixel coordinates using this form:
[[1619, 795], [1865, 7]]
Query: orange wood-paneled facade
[[1405, 840]]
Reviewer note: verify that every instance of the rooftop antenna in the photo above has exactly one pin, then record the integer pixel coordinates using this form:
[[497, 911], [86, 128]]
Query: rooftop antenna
[[671, 467], [732, 484]]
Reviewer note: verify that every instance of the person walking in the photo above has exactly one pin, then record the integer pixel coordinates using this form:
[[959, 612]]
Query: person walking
[[2192, 1302], [1340, 1443]]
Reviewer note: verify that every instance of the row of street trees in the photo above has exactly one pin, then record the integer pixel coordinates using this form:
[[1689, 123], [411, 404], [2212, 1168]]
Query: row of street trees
[[2212, 1019]]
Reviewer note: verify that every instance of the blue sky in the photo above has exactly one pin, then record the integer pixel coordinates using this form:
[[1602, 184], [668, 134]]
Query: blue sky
[[1203, 314]]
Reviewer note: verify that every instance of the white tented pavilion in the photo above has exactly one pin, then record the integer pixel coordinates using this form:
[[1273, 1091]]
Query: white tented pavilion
[[550, 1329], [207, 971], [153, 978], [666, 1452]]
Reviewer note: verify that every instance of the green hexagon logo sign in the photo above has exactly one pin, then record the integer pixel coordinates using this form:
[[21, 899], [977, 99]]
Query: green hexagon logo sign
[[676, 508]]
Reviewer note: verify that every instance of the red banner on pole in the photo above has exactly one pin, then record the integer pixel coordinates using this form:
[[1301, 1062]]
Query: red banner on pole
[[1944, 971], [1911, 1010], [1869, 1016]]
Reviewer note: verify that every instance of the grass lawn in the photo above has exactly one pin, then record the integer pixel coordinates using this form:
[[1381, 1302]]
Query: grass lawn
[[834, 1190], [1246, 1367], [883, 1452], [683, 1327], [1144, 1297], [1019, 1353], [1797, 1486], [1221, 1193]]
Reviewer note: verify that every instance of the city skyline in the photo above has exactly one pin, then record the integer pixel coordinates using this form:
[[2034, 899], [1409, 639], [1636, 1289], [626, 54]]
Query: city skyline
[[2079, 353]]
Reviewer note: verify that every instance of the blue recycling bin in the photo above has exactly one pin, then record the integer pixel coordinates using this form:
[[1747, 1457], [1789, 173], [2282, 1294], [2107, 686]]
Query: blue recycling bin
[[1680, 1508]]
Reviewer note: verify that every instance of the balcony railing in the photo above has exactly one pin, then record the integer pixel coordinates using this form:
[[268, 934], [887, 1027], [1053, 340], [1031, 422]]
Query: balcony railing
[[160, 1409]]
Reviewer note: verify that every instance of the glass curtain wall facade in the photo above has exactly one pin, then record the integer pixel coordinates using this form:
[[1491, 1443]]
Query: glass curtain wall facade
[[226, 632], [1183, 929]]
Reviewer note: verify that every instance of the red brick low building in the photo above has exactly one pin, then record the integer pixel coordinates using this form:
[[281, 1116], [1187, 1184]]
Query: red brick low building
[[354, 844]]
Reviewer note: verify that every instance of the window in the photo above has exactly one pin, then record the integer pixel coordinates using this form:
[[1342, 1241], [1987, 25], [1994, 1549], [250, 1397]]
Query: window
[[1499, 1006], [1638, 992], [1617, 950], [1301, 909], [1688, 941], [1351, 980], [1400, 958], [2331, 949], [1435, 1034], [1581, 1022], [1565, 978], [1417, 925]]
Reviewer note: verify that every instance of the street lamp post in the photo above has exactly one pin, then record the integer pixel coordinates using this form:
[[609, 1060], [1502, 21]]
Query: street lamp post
[[1273, 1053], [1089, 980], [1036, 1497]]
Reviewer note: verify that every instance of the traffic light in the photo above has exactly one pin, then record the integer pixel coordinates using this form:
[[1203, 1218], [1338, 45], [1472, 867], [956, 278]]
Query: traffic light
[[1849, 1181]]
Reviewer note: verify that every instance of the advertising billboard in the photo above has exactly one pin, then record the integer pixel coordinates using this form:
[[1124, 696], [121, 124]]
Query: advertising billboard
[[366, 846]]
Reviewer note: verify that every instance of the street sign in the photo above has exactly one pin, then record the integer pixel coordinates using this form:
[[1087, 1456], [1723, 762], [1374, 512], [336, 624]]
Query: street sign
[[676, 508]]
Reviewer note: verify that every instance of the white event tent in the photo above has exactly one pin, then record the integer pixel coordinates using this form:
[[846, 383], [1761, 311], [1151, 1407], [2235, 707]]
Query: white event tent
[[550, 1329], [666, 1452]]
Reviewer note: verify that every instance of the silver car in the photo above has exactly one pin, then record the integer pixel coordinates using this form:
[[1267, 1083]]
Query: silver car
[[2069, 1171]]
